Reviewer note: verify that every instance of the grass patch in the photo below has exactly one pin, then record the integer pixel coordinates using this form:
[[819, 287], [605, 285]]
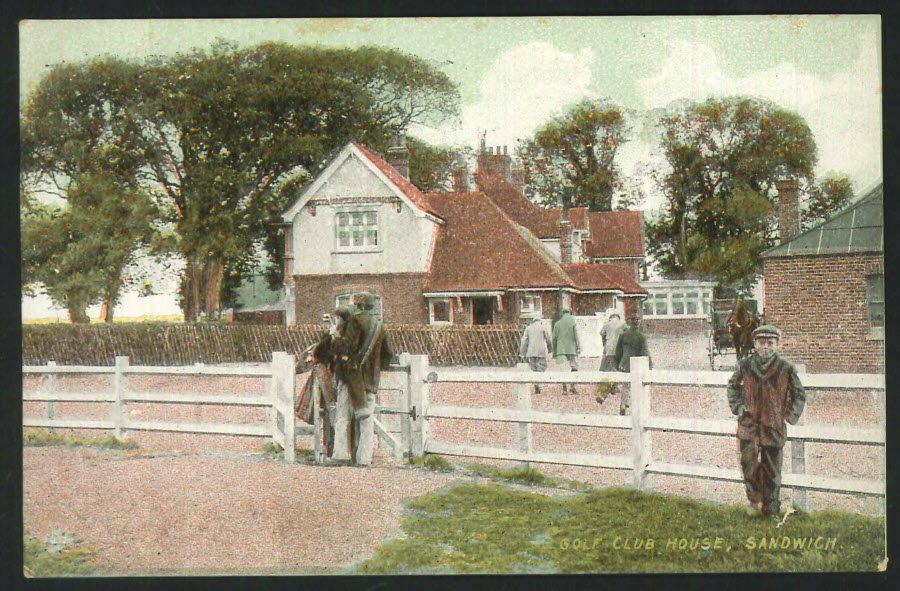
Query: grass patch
[[525, 474], [42, 561], [488, 528], [272, 447], [433, 461], [40, 437]]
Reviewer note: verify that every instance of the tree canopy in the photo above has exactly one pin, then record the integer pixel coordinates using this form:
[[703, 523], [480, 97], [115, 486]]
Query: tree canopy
[[828, 195], [570, 160], [725, 155], [212, 134]]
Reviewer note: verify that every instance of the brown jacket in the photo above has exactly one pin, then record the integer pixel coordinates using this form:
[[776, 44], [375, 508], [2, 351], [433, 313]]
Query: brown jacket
[[764, 397]]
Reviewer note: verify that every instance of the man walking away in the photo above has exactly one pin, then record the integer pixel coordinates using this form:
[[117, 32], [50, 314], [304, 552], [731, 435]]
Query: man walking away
[[764, 393], [534, 345], [609, 334], [632, 343], [566, 346]]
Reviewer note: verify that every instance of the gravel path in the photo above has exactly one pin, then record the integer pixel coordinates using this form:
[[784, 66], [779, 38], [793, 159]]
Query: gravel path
[[225, 513]]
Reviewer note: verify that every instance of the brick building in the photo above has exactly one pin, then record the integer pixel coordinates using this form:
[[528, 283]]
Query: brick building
[[461, 257], [825, 287]]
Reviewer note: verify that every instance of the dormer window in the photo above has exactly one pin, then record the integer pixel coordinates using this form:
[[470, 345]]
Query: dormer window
[[356, 228]]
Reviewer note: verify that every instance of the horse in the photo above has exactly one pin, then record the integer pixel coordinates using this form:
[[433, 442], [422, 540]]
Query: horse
[[741, 324]]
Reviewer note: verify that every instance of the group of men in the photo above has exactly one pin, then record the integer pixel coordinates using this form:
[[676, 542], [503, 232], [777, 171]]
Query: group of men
[[764, 392], [621, 342], [348, 364]]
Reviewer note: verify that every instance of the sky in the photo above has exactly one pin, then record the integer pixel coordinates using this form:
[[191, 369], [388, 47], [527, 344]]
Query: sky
[[516, 73]]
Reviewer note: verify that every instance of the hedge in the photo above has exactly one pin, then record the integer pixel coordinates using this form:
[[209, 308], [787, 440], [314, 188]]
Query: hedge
[[186, 344]]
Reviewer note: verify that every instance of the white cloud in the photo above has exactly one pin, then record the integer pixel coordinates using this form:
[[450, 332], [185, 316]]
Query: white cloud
[[523, 88], [843, 111]]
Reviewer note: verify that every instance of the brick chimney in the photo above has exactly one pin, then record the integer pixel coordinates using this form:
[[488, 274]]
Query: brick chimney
[[517, 178], [398, 154], [499, 163], [459, 176], [788, 209], [564, 230]]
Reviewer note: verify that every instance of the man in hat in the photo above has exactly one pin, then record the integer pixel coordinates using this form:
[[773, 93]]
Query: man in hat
[[566, 347], [372, 356], [609, 334], [631, 343], [764, 393], [535, 345]]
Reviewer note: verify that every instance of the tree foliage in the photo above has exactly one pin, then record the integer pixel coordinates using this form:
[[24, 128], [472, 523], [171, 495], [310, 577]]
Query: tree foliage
[[571, 159], [214, 133], [430, 166], [829, 195], [725, 155]]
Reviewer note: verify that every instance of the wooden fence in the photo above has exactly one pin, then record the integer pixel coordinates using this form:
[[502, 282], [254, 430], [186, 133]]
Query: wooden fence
[[412, 381], [641, 424]]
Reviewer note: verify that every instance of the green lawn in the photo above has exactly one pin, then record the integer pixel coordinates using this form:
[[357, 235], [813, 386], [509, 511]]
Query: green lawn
[[43, 561], [491, 528]]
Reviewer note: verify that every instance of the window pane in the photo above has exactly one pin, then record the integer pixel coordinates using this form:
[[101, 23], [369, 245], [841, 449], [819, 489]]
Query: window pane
[[371, 218], [440, 310], [343, 219], [355, 218], [691, 303], [648, 307], [357, 238], [678, 303], [660, 304], [875, 288]]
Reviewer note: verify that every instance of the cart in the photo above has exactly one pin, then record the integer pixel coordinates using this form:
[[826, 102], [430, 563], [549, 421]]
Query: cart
[[720, 339]]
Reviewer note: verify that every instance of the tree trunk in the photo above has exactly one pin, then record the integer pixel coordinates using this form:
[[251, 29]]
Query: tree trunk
[[190, 288], [76, 302], [212, 271], [110, 299]]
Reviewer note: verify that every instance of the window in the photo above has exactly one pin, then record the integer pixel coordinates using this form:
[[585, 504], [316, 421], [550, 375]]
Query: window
[[678, 303], [660, 306], [875, 300], [356, 229], [440, 311], [529, 304], [648, 306]]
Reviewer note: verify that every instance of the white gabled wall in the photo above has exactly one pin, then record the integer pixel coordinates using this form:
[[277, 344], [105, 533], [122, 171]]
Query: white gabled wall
[[404, 237]]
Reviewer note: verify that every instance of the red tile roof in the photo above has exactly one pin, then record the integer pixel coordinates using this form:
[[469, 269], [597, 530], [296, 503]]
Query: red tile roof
[[614, 234], [541, 222], [602, 276], [410, 190], [481, 248]]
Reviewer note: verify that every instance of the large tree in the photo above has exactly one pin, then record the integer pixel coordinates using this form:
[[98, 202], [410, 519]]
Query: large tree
[[725, 156], [570, 160], [430, 166], [81, 143], [218, 131]]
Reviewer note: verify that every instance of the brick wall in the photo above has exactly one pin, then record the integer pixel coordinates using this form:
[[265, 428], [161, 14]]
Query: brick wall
[[588, 304], [819, 303], [401, 295]]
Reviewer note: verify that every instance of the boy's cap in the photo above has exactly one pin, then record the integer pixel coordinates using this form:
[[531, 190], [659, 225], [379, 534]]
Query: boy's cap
[[767, 330]]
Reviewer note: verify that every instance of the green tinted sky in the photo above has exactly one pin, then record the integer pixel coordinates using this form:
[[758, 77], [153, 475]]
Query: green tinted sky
[[514, 73]]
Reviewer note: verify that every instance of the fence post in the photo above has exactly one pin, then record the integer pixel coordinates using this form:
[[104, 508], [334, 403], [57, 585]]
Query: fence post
[[290, 421], [48, 385], [640, 411], [798, 453], [404, 399], [879, 397], [523, 402], [418, 398], [119, 389]]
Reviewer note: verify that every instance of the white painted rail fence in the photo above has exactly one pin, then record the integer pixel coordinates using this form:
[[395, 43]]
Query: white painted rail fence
[[641, 424], [278, 399]]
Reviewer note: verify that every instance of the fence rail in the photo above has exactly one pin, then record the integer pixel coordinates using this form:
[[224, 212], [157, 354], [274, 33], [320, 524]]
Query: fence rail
[[641, 423]]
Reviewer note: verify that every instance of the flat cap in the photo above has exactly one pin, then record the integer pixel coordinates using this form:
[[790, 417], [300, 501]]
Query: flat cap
[[767, 330]]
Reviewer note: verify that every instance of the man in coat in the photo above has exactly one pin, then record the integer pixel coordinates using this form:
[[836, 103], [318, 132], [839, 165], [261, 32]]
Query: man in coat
[[632, 343], [372, 356], [764, 393], [609, 334], [566, 347], [534, 345]]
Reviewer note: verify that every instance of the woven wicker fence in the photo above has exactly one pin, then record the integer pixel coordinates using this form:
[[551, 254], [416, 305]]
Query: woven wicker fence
[[186, 344]]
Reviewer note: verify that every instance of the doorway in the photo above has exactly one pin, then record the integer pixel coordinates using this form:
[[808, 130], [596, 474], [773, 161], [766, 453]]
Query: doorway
[[482, 311]]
